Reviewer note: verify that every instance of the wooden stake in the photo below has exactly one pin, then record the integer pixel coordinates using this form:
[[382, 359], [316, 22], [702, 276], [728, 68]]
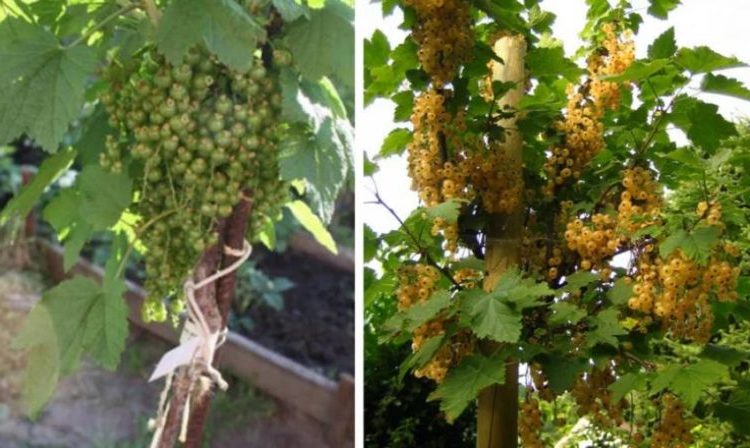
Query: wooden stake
[[497, 414]]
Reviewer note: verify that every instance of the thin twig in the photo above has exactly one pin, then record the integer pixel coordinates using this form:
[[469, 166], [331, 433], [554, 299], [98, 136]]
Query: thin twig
[[152, 11], [100, 25], [415, 240]]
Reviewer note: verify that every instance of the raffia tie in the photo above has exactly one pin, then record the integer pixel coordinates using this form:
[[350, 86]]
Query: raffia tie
[[208, 342]]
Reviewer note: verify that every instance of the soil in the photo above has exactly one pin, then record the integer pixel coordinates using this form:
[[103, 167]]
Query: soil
[[316, 326]]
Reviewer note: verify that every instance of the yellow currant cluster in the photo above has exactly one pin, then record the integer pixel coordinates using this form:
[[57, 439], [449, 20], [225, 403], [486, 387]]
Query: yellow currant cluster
[[416, 284], [640, 201], [677, 291], [461, 345], [597, 239], [530, 424], [592, 394], [429, 119], [672, 431], [553, 263], [445, 36], [468, 278], [583, 138], [496, 179], [581, 126], [595, 242], [711, 212], [616, 54], [433, 177]]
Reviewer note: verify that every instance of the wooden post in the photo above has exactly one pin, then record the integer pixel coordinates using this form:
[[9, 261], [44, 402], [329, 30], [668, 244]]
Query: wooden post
[[497, 413]]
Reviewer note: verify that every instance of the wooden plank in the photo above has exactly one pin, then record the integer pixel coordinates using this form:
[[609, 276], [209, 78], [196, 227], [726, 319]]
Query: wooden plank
[[294, 384], [341, 419]]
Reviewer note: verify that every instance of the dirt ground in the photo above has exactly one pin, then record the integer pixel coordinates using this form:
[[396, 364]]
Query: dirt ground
[[102, 409], [316, 326]]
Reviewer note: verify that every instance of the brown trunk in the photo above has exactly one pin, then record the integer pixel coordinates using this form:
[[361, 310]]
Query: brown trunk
[[234, 237], [497, 413], [205, 298], [215, 301]]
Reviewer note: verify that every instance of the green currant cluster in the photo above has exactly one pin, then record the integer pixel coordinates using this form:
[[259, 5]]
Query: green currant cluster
[[199, 136]]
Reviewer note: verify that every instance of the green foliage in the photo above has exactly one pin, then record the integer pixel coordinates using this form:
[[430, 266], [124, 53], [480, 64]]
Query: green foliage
[[49, 171], [331, 27], [93, 204], [664, 46], [725, 86], [689, 382], [254, 289], [75, 317], [397, 412], [222, 26], [318, 150], [661, 8], [43, 83], [465, 381], [312, 224]]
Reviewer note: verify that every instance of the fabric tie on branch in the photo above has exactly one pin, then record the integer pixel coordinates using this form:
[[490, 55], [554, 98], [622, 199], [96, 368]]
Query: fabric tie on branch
[[198, 344]]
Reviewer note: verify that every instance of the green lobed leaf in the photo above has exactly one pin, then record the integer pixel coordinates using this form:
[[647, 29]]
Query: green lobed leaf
[[312, 224], [628, 382], [661, 8], [690, 381], [490, 317], [223, 26], [578, 280], [320, 160], [464, 382], [416, 315], [323, 45], [51, 169], [722, 85], [566, 313], [395, 142], [92, 140], [42, 82], [309, 102], [520, 292], [561, 371], [267, 234], [377, 50], [42, 361], [552, 62], [726, 355], [704, 59], [421, 357], [606, 328], [370, 243], [103, 196], [448, 210], [707, 127], [74, 317], [290, 10], [696, 244], [620, 292], [663, 46], [639, 70], [736, 410], [369, 167], [687, 157], [384, 285], [96, 202]]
